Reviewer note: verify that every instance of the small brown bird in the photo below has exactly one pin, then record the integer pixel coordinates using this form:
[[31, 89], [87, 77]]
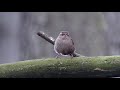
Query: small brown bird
[[64, 44]]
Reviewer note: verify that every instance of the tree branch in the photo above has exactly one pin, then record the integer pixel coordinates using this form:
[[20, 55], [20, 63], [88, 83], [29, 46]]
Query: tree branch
[[102, 66], [52, 41], [46, 37]]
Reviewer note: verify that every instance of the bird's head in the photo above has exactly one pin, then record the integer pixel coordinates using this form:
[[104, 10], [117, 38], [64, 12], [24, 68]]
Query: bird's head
[[64, 34]]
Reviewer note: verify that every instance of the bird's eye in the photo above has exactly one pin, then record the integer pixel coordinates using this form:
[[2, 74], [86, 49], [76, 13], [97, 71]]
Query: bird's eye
[[62, 34], [67, 34]]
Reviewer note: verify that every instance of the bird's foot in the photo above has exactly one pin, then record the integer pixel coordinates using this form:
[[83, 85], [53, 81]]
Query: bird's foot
[[71, 56], [57, 56]]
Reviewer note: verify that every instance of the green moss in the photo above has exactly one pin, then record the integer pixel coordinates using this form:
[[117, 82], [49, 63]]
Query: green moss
[[101, 66]]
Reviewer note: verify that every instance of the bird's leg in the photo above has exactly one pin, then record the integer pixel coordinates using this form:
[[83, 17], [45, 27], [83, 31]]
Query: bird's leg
[[71, 56], [57, 56]]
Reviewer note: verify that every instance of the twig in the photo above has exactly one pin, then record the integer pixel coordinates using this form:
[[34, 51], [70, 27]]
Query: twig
[[46, 37], [52, 41]]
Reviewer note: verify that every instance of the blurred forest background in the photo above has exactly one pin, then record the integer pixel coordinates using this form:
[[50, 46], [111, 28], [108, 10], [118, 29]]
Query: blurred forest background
[[94, 33]]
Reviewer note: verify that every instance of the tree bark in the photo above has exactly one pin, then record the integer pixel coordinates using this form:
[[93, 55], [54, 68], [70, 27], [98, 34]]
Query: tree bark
[[101, 66]]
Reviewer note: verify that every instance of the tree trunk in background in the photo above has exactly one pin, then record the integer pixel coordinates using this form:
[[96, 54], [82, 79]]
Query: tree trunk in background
[[113, 23], [9, 32]]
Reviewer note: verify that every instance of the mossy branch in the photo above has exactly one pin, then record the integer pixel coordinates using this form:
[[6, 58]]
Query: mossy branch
[[101, 66]]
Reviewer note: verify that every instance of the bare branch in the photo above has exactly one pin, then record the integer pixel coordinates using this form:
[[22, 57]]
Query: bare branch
[[46, 37]]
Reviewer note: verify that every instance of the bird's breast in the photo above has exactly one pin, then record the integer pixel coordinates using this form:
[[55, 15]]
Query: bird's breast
[[64, 46]]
